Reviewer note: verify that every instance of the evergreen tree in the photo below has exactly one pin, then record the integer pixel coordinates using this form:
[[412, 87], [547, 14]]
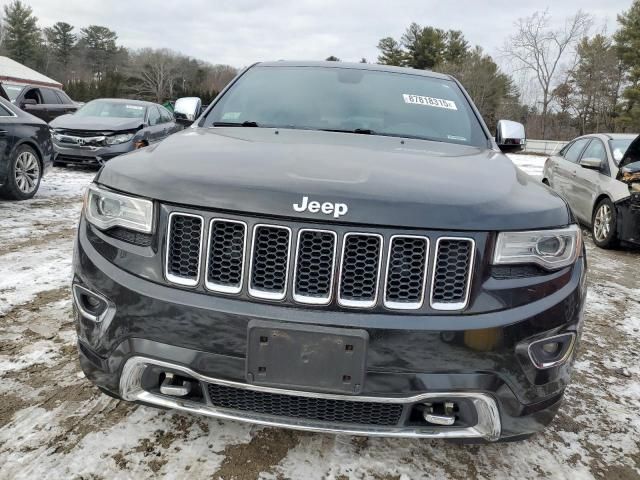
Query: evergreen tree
[[391, 52], [62, 41], [627, 40], [22, 36]]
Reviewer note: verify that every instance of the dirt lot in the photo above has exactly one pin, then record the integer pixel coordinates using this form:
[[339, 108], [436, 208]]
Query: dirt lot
[[54, 424]]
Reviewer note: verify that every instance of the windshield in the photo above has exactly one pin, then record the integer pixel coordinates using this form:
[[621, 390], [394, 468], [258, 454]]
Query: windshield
[[618, 147], [104, 108], [12, 90], [352, 100]]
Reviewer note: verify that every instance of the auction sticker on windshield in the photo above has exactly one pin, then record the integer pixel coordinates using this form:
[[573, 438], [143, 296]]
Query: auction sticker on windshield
[[429, 101]]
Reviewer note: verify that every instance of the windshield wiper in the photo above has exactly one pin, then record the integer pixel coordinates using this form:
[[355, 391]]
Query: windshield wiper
[[362, 131], [246, 123]]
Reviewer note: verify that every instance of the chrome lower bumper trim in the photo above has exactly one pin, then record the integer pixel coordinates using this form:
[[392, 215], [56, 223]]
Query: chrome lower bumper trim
[[488, 426]]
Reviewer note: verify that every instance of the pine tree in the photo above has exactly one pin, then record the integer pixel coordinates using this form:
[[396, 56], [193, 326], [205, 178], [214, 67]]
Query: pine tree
[[391, 52], [627, 40], [22, 36], [62, 41]]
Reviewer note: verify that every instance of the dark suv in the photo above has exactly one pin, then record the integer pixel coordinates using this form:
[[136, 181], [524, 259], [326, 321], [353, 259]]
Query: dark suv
[[46, 103], [335, 248]]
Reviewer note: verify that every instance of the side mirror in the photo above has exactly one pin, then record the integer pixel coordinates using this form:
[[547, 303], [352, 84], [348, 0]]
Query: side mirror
[[27, 101], [510, 136], [187, 109], [591, 163]]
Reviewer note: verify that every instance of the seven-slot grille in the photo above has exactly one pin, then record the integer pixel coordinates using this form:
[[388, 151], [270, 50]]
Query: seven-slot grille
[[320, 260]]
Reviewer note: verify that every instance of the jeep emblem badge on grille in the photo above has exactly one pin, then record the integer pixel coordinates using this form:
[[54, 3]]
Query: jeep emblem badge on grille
[[328, 208]]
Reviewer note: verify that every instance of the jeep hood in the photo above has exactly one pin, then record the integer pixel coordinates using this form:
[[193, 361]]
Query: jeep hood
[[383, 180], [76, 122]]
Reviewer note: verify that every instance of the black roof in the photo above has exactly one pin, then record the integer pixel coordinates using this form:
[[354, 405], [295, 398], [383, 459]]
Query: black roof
[[357, 66]]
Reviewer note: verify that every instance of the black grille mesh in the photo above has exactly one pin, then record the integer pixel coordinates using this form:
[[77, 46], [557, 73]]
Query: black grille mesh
[[319, 409], [407, 265], [129, 236], [452, 269], [270, 258], [226, 253], [359, 275], [314, 268], [184, 246]]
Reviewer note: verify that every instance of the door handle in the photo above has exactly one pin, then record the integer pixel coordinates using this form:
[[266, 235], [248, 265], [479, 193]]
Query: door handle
[[3, 133]]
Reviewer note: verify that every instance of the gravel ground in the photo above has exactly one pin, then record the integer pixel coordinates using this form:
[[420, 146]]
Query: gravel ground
[[54, 424]]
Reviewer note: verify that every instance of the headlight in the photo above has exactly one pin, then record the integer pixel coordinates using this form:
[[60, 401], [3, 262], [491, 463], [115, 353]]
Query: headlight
[[551, 249], [120, 138], [106, 209]]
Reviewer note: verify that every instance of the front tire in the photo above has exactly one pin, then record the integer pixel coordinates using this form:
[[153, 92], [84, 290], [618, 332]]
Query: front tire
[[24, 175], [604, 224]]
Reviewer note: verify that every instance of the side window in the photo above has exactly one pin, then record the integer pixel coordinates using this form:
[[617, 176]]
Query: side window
[[33, 94], [573, 152], [154, 116], [63, 97], [595, 150], [49, 96], [165, 115], [5, 112]]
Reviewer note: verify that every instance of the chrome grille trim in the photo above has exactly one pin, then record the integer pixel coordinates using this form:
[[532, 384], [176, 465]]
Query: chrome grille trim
[[178, 280], [221, 288], [265, 294], [360, 303], [304, 298], [448, 306], [406, 305]]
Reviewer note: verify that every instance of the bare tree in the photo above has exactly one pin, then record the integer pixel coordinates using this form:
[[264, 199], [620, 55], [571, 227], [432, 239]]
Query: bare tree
[[154, 73], [539, 48]]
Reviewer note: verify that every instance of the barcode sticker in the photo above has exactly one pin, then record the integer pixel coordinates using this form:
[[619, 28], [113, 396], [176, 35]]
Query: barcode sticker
[[429, 101]]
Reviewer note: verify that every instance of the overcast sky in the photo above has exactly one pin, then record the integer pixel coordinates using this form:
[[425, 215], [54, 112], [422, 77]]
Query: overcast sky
[[240, 32]]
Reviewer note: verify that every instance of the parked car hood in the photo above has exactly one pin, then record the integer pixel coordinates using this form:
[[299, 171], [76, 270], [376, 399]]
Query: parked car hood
[[76, 122], [383, 180]]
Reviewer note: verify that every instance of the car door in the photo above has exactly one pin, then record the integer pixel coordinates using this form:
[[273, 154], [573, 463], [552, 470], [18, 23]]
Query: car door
[[168, 121], [587, 181], [156, 128], [565, 166], [31, 101], [68, 105], [7, 120], [51, 103]]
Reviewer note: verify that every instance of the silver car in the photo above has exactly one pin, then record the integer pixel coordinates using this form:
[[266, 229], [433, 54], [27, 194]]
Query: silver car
[[586, 172]]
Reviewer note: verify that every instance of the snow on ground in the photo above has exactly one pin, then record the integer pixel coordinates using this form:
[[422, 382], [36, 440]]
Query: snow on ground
[[55, 424], [531, 164]]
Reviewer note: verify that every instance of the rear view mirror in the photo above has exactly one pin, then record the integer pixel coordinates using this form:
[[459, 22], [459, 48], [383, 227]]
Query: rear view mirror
[[187, 109], [27, 101], [510, 136], [592, 163]]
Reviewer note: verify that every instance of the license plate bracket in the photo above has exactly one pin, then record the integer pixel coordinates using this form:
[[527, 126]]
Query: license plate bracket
[[307, 357]]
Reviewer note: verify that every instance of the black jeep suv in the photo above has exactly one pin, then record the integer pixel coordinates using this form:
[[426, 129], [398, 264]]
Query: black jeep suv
[[335, 248]]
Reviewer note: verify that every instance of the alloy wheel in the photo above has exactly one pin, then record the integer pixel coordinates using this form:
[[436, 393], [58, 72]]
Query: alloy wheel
[[602, 224], [27, 172]]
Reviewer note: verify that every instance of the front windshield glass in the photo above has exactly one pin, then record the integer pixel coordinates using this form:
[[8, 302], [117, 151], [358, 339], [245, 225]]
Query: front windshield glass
[[618, 147], [352, 100], [103, 108], [12, 90]]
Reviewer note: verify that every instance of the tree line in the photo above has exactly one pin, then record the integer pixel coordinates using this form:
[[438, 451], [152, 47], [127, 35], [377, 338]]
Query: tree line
[[561, 81], [90, 63], [577, 82]]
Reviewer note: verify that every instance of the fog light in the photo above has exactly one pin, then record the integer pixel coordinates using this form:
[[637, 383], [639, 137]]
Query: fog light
[[552, 351], [90, 304]]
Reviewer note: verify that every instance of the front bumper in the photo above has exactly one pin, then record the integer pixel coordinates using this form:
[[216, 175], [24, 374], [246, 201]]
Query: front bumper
[[89, 155], [411, 359]]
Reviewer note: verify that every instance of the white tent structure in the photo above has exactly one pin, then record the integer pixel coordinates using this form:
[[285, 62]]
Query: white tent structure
[[16, 73]]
